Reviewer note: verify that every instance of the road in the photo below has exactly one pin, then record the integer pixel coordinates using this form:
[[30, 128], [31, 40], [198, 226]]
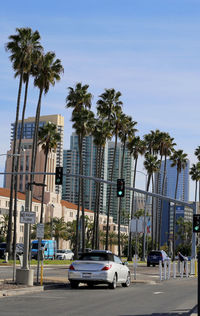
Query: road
[[171, 297]]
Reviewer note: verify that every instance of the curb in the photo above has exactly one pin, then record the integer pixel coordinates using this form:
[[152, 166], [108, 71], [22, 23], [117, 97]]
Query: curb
[[13, 292]]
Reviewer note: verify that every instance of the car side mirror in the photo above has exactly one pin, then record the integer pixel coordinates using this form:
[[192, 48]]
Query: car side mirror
[[125, 263]]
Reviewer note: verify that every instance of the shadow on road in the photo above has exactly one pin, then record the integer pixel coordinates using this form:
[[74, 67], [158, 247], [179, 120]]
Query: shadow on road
[[183, 312]]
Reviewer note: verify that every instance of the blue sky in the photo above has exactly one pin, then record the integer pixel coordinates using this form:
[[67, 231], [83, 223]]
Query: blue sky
[[149, 50]]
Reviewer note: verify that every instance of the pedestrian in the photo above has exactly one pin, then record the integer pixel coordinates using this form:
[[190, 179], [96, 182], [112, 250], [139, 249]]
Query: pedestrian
[[182, 258]]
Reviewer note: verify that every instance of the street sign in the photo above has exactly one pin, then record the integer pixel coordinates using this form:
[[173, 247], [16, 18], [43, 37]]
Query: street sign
[[40, 230], [27, 217]]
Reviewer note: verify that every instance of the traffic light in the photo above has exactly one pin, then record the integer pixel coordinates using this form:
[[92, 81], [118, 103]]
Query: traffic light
[[120, 187], [59, 175], [196, 223]]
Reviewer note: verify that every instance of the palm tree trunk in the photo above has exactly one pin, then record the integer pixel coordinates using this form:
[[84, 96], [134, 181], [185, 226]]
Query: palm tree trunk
[[120, 200], [174, 216], [17, 169], [161, 206], [110, 192], [132, 213], [96, 197], [152, 218], [145, 206], [35, 137], [43, 186], [98, 200], [9, 233]]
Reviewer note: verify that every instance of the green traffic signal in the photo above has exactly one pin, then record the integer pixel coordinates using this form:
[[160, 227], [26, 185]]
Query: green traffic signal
[[196, 223]]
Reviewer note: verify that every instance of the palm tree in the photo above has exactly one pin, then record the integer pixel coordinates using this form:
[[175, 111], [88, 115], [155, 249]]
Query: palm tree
[[48, 138], [109, 107], [79, 99], [195, 175], [179, 159], [100, 133], [127, 129], [166, 149], [21, 47], [151, 164], [46, 73], [59, 229], [197, 154], [136, 146]]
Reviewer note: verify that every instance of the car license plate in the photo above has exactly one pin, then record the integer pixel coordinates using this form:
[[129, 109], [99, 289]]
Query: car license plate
[[86, 275], [154, 257]]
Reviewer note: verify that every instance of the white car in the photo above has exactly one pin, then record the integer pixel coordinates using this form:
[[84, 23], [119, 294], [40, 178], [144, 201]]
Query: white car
[[64, 254], [99, 267]]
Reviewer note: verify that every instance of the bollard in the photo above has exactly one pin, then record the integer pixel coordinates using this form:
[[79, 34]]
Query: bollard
[[192, 263], [186, 268], [181, 269], [165, 270], [135, 266], [6, 257], [196, 268], [169, 269], [160, 270], [174, 269]]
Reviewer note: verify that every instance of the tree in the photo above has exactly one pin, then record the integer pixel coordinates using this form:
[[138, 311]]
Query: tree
[[127, 129], [59, 229], [137, 147], [101, 133], [21, 47], [179, 160], [151, 164], [47, 231], [184, 234], [109, 107], [166, 148], [195, 175], [46, 73], [49, 139], [79, 99]]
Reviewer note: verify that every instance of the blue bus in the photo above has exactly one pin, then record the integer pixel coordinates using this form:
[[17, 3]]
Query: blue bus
[[49, 247]]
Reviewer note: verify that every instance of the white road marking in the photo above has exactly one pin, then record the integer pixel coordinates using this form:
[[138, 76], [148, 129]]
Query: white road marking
[[158, 293]]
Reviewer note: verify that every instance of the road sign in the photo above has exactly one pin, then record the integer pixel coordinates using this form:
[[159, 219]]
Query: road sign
[[40, 230], [27, 217]]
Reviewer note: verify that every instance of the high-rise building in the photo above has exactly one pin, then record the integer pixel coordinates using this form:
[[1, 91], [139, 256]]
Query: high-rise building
[[54, 158], [169, 191], [71, 164]]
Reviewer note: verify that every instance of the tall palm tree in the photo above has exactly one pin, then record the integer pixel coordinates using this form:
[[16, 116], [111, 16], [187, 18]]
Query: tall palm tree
[[79, 99], [109, 107], [151, 164], [179, 159], [49, 138], [59, 229], [137, 147], [166, 148], [127, 129], [195, 175], [46, 73], [101, 133], [197, 154], [21, 47]]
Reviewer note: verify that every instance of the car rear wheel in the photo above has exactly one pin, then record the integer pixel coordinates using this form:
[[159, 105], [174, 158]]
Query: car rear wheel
[[128, 281], [90, 285], [113, 285], [74, 284]]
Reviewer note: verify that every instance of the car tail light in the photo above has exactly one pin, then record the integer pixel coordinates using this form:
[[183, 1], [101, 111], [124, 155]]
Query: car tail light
[[71, 267], [107, 267]]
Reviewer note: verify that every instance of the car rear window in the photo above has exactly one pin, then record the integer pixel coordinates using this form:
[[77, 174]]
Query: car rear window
[[155, 253], [96, 256]]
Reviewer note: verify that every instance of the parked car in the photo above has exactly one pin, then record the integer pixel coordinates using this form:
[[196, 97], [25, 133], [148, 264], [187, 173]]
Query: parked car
[[2, 250], [99, 267], [48, 246], [64, 254], [155, 256]]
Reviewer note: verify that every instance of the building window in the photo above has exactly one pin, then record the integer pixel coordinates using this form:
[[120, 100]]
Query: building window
[[21, 228], [7, 203], [71, 214]]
